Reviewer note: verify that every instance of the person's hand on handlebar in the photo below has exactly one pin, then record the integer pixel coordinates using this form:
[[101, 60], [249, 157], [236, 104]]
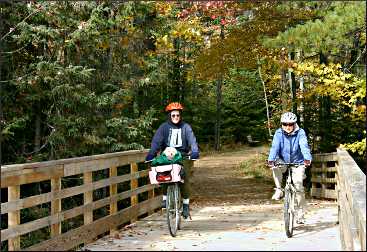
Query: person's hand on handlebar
[[307, 163], [149, 158], [270, 164]]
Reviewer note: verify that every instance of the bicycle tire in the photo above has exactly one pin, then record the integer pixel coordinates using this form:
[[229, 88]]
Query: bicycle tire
[[179, 207], [173, 214], [288, 213]]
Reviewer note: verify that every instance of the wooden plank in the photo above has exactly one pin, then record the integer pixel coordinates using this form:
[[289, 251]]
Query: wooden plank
[[133, 185], [325, 169], [100, 164], [326, 193], [31, 176], [67, 192], [113, 192], [74, 237], [133, 154], [14, 218], [325, 157], [323, 180], [55, 206], [71, 213], [88, 199], [345, 225], [16, 170]]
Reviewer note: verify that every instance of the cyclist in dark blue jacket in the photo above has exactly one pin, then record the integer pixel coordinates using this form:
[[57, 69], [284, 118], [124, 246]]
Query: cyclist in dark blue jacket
[[178, 134]]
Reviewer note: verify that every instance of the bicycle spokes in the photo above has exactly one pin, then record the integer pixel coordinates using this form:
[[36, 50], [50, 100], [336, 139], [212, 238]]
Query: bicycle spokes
[[173, 208]]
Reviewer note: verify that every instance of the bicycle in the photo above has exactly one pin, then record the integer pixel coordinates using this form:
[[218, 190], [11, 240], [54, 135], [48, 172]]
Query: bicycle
[[289, 198], [173, 208], [171, 175]]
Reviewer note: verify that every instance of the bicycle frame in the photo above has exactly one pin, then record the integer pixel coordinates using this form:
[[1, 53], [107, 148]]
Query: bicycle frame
[[173, 203], [289, 199]]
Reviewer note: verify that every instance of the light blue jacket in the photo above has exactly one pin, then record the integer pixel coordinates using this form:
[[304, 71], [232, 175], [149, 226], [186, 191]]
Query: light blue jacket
[[292, 148]]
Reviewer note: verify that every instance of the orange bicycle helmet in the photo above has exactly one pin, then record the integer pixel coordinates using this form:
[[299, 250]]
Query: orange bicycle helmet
[[174, 106]]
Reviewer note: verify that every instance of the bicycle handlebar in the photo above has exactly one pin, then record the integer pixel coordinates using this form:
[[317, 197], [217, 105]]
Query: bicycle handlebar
[[285, 164], [289, 164]]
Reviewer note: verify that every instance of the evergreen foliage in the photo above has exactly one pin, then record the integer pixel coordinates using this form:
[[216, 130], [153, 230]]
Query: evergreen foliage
[[81, 78]]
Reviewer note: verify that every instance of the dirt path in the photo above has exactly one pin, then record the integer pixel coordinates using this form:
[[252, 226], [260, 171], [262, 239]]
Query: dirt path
[[230, 211], [218, 180]]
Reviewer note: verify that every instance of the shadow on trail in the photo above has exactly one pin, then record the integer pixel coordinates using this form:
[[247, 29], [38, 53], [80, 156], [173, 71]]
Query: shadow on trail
[[309, 228]]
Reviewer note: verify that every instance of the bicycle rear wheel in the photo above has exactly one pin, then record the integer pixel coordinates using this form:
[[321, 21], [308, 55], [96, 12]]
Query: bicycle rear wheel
[[173, 208], [289, 212]]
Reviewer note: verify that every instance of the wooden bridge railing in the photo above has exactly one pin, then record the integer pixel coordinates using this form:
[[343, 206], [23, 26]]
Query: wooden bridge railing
[[350, 187], [337, 176], [351, 203], [324, 175], [53, 172]]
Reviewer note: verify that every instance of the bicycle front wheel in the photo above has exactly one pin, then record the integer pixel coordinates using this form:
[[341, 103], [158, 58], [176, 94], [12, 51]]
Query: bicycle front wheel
[[173, 208], [289, 213]]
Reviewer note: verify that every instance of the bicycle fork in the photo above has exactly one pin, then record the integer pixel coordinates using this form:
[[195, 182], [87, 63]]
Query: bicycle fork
[[292, 190]]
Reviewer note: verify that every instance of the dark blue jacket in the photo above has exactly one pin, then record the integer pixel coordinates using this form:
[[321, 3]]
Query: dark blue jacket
[[179, 136]]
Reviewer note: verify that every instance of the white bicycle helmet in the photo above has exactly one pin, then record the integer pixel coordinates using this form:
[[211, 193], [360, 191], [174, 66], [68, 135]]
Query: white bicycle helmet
[[288, 117]]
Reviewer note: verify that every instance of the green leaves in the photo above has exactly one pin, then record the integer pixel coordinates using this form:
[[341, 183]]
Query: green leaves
[[327, 34]]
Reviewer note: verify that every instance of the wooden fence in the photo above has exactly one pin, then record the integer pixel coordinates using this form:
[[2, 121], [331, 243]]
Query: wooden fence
[[14, 177], [324, 176], [337, 176], [351, 203]]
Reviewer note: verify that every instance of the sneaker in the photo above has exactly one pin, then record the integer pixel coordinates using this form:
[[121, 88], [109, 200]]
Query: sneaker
[[185, 211], [300, 217], [300, 220], [163, 204], [278, 194]]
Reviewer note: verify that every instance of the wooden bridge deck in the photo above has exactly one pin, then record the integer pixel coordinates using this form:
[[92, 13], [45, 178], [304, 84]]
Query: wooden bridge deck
[[230, 228], [230, 213]]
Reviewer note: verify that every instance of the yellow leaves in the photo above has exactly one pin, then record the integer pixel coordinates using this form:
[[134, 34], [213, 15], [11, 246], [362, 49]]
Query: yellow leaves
[[103, 45], [164, 43], [124, 41], [331, 80], [189, 31], [186, 31], [163, 8]]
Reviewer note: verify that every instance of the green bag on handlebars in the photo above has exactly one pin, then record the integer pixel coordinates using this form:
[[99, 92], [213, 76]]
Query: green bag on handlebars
[[163, 160]]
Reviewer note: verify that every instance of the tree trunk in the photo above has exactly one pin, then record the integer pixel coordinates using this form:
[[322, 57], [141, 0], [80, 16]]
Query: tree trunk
[[325, 126], [37, 128], [301, 90], [265, 97], [219, 101], [218, 114], [283, 84], [292, 84]]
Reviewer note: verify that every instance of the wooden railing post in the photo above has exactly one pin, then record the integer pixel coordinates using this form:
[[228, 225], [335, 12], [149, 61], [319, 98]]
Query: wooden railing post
[[55, 206], [113, 191], [88, 198], [151, 195], [13, 218], [133, 185]]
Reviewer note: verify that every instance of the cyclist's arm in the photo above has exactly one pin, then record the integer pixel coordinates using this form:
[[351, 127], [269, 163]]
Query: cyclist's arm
[[156, 144], [275, 147], [191, 139], [303, 144]]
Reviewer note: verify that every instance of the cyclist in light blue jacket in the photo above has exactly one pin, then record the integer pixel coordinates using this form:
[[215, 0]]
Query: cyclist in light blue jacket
[[290, 146]]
